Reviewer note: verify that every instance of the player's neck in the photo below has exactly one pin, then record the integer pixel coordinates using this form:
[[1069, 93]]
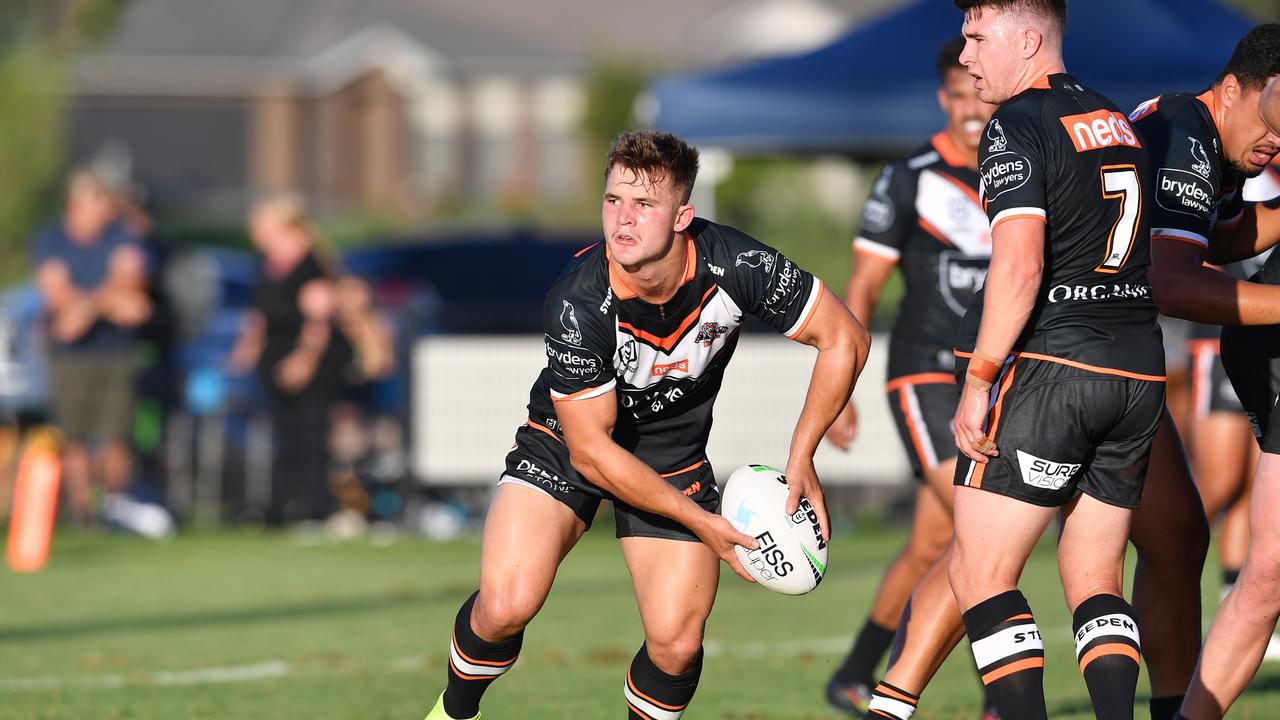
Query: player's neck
[[657, 280], [1036, 71]]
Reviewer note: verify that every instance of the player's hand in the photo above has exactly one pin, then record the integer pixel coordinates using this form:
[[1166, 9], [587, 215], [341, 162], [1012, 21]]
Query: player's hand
[[720, 535], [802, 482], [844, 430], [971, 438], [295, 371]]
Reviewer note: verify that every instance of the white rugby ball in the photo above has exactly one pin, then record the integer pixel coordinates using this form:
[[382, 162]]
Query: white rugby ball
[[792, 557]]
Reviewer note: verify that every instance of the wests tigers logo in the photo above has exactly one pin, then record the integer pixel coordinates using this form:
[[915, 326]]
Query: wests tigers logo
[[709, 333]]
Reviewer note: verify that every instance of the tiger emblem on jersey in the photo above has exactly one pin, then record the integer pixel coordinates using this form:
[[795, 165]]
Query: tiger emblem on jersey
[[709, 333]]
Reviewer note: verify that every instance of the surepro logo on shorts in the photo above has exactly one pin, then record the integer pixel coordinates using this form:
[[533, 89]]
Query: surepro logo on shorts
[[1047, 474]]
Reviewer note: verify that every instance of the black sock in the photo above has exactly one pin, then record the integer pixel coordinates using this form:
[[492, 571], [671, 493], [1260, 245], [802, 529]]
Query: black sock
[[1009, 652], [1165, 708], [891, 703], [1108, 650], [474, 663], [652, 694], [860, 664]]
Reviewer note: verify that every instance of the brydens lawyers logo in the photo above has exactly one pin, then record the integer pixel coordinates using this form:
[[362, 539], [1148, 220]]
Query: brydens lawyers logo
[[1100, 129], [1041, 473]]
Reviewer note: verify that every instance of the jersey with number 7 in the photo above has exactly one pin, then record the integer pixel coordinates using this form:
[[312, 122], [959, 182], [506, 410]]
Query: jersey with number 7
[[1065, 155]]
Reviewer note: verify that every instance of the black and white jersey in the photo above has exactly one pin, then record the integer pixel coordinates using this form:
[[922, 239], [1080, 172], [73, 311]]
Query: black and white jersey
[[1194, 187], [665, 362], [1062, 154], [923, 213]]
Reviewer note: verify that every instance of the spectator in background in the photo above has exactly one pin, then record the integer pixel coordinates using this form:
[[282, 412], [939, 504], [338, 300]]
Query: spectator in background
[[92, 275], [290, 335]]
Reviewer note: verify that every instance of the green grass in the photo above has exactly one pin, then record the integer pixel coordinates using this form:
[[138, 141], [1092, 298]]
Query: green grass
[[123, 629]]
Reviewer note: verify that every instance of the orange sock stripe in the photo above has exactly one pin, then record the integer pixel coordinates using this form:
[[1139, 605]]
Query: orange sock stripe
[[465, 676], [488, 663], [1011, 668], [1023, 616], [890, 692], [1110, 649], [664, 706]]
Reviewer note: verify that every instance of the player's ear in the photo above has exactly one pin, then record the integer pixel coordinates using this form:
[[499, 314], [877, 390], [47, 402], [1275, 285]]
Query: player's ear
[[943, 99], [1031, 42], [684, 216], [1230, 90]]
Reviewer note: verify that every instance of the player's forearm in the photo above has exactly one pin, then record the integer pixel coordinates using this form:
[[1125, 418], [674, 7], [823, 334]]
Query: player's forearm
[[1209, 296], [835, 372], [629, 479], [1009, 297]]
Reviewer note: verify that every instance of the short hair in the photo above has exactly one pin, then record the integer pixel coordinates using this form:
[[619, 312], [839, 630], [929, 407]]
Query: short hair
[[949, 57], [1055, 10], [87, 180], [657, 154], [1256, 58]]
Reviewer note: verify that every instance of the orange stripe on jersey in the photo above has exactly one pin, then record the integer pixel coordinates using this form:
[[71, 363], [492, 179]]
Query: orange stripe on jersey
[[928, 378], [669, 342], [813, 311], [584, 250], [1180, 239], [1074, 364], [1042, 83], [1109, 649], [547, 430], [934, 231], [950, 153], [1011, 668], [1020, 216], [1211, 102], [694, 466]]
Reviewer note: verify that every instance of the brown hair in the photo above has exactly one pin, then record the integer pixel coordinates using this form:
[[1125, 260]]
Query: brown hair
[[949, 57], [659, 155], [1055, 10]]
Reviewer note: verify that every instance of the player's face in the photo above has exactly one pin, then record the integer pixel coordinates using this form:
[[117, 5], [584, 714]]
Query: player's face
[[967, 115], [990, 53], [1247, 142], [640, 216]]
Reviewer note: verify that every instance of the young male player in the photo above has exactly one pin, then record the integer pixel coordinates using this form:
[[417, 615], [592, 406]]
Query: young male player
[[1064, 386], [638, 332], [923, 217]]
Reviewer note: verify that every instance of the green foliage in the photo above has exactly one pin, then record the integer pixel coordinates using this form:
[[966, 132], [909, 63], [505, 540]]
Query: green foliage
[[1258, 9], [612, 88]]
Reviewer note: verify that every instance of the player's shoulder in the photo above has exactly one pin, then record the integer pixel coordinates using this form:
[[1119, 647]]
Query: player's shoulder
[[584, 276], [927, 155], [718, 242]]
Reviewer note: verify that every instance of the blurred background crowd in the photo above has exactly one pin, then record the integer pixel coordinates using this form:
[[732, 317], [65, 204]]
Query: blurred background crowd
[[249, 246]]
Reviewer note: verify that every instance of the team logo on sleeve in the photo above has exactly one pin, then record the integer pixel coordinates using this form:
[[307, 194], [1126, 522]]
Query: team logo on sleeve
[[755, 259], [877, 214], [709, 333], [995, 133], [569, 321], [1201, 164]]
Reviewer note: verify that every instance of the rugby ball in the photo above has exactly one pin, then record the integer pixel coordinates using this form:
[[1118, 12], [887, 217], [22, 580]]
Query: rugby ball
[[792, 557]]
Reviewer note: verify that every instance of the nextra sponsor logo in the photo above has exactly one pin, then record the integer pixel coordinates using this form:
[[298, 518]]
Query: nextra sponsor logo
[[1100, 129]]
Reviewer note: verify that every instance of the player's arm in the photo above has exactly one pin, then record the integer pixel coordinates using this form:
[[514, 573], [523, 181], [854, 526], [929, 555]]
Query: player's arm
[[1184, 287], [1256, 231], [1013, 282], [122, 298], [842, 343], [588, 431], [71, 310], [870, 273]]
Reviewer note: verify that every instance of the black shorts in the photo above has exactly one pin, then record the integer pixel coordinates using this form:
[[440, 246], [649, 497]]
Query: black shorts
[[1062, 431], [923, 406], [1251, 356], [1211, 390], [540, 461]]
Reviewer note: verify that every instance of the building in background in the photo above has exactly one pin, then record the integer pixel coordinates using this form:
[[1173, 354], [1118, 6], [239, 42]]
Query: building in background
[[391, 105]]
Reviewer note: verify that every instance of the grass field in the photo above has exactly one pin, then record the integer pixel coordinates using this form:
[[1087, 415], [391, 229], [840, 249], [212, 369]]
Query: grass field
[[266, 627]]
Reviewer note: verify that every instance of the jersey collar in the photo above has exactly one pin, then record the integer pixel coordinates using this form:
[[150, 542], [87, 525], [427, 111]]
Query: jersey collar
[[623, 291], [951, 154], [1210, 102]]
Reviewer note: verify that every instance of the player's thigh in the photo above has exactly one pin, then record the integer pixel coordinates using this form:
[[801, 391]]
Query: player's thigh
[[994, 536], [1264, 508], [1091, 549], [931, 525], [1170, 527], [527, 533], [675, 584], [922, 414], [1220, 442]]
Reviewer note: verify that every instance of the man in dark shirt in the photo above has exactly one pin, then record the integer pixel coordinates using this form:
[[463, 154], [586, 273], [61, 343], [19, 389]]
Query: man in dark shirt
[[92, 275], [639, 330], [1064, 385]]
